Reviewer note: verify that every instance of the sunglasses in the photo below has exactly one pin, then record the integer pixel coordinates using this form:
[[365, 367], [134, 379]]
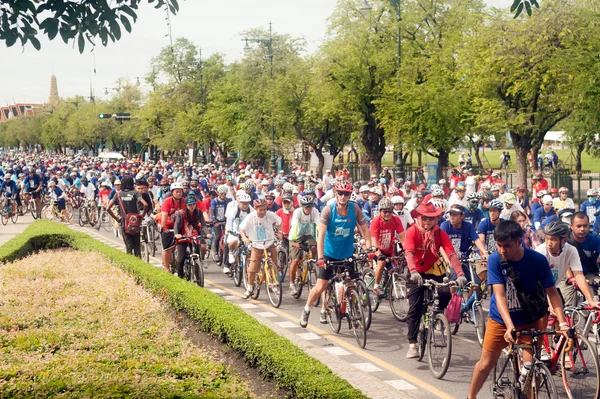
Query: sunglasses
[[387, 211], [428, 218], [344, 193]]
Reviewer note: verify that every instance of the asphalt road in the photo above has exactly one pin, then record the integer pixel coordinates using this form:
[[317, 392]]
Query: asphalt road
[[386, 340]]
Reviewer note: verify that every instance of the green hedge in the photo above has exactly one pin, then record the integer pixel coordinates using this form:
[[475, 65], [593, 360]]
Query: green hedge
[[275, 356]]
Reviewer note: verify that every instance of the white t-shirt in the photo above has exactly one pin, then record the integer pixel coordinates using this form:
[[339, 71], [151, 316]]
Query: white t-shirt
[[233, 218], [89, 191], [505, 214], [260, 230], [568, 202], [302, 224], [470, 184], [569, 258]]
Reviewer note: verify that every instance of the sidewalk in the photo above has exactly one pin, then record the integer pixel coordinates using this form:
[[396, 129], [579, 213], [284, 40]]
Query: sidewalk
[[11, 230]]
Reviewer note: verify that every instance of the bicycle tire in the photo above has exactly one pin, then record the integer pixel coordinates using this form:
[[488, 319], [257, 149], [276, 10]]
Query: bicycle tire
[[151, 239], [507, 389], [92, 216], [214, 254], [312, 280], [198, 272], [369, 279], [439, 346], [245, 271], [187, 270], [332, 309], [33, 209], [398, 297], [4, 218], [14, 216], [236, 269], [365, 298], [273, 283], [298, 279], [71, 212], [105, 221], [356, 314], [144, 252], [283, 266], [258, 277], [479, 322], [544, 383], [422, 339], [580, 382], [83, 216]]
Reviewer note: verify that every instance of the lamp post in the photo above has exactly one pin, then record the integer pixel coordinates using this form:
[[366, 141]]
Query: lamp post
[[268, 43], [203, 158], [365, 8]]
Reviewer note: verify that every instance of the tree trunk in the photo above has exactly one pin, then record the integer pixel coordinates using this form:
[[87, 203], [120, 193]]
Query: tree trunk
[[521, 163], [321, 158], [535, 152], [443, 162], [476, 146], [373, 140], [579, 149], [419, 159]]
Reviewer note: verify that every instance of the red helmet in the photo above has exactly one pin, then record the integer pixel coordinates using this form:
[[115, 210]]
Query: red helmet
[[553, 190], [563, 190], [259, 202], [393, 191], [521, 188], [343, 185]]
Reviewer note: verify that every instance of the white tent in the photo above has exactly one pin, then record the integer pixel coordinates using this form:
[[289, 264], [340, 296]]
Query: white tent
[[558, 136], [110, 156]]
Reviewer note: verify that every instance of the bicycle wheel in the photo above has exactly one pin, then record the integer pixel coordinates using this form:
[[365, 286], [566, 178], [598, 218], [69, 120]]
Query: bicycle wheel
[[71, 212], [92, 216], [356, 314], [506, 387], [4, 217], [257, 282], [283, 266], [105, 221], [245, 270], [544, 387], [236, 269], [14, 216], [479, 322], [151, 238], [298, 279], [274, 291], [198, 272], [145, 251], [187, 269], [312, 280], [34, 210], [398, 297], [422, 336], [83, 216], [365, 301], [332, 309], [369, 279], [579, 369], [214, 254], [439, 346]]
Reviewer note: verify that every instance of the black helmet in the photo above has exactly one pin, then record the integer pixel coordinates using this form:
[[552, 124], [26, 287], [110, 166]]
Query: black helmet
[[557, 228]]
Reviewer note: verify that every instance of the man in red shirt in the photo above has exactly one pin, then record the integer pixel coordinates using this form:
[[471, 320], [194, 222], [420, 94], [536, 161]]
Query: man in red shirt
[[285, 213], [422, 246], [170, 205], [385, 227]]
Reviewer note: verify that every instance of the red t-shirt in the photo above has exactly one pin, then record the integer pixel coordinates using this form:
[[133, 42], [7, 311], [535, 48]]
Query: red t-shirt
[[170, 206], [423, 260], [286, 219], [385, 232], [279, 201]]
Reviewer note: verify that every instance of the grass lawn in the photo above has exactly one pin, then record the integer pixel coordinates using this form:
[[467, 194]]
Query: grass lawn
[[587, 161], [72, 325]]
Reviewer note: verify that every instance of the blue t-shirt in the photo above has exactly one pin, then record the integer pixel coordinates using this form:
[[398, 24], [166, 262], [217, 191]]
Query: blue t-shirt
[[590, 209], [588, 251], [461, 238], [534, 207], [487, 229], [32, 183], [532, 267], [339, 237], [540, 216], [218, 208], [474, 217]]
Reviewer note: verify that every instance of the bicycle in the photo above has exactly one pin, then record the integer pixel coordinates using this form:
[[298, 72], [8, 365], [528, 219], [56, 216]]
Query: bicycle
[[88, 214], [344, 301], [33, 208], [434, 330], [193, 265], [393, 284], [217, 256], [306, 273], [283, 256], [471, 309], [9, 211], [268, 275], [104, 220], [51, 211], [147, 237]]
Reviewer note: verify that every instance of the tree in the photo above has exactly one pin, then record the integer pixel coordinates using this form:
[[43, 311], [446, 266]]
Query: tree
[[84, 20], [524, 73]]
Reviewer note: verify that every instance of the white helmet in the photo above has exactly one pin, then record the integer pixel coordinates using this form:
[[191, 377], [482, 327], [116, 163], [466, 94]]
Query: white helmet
[[510, 198], [176, 186], [592, 192], [222, 189], [485, 186], [364, 189], [239, 192], [377, 190], [243, 197], [288, 186], [397, 200]]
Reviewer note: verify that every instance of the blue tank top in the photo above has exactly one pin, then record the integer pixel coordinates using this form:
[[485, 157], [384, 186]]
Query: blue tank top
[[339, 239]]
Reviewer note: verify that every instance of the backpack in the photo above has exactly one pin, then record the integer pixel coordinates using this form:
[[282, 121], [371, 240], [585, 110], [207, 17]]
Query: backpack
[[132, 221]]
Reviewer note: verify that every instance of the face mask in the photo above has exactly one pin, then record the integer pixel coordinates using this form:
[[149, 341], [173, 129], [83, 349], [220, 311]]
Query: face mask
[[592, 200]]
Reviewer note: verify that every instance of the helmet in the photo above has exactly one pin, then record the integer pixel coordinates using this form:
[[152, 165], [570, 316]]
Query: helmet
[[258, 202], [382, 180], [7, 176], [307, 200], [288, 187], [538, 175], [397, 200], [487, 197], [343, 185], [386, 203], [105, 184], [553, 190], [496, 204], [496, 187], [239, 192], [364, 189], [486, 186], [84, 180], [248, 185], [377, 190], [438, 203], [442, 181], [592, 192], [50, 183], [176, 186], [438, 192], [434, 187], [393, 191], [547, 199], [563, 190], [270, 194], [319, 187], [222, 189], [287, 197], [277, 182], [243, 197], [521, 188], [117, 182], [510, 199], [558, 229], [541, 193], [472, 197], [564, 212]]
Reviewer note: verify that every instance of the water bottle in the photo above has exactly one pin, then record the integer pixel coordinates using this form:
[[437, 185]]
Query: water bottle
[[339, 293], [524, 371]]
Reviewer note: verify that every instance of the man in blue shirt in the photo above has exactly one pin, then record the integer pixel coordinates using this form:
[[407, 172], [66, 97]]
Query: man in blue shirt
[[544, 212], [9, 189], [218, 206], [487, 226], [33, 185], [590, 206], [473, 214], [506, 311]]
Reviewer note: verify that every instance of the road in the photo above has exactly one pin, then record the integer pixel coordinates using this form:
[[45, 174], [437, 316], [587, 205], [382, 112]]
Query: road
[[384, 356]]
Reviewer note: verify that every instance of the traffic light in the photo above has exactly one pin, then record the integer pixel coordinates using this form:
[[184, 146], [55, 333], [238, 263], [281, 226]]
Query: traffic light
[[105, 116]]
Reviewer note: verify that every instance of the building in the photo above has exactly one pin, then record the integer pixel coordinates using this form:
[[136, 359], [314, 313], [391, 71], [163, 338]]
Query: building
[[11, 111]]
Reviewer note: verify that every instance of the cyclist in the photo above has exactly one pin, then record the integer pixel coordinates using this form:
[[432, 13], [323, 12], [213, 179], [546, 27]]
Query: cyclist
[[522, 199], [364, 196], [168, 208], [9, 189], [563, 195], [506, 310], [402, 213], [510, 205], [302, 232], [335, 241], [544, 212], [530, 238], [88, 191], [385, 229], [187, 222], [57, 195], [32, 185], [235, 214], [473, 214], [271, 205], [218, 207], [458, 197], [371, 207], [258, 230], [422, 246], [487, 226], [589, 206]]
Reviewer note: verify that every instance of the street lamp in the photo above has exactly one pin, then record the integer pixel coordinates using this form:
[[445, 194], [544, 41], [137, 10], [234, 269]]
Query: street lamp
[[365, 8], [268, 43], [117, 89], [203, 158], [137, 81]]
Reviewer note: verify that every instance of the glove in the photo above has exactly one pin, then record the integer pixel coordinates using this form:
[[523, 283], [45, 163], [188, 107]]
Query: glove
[[416, 278], [461, 281], [321, 262]]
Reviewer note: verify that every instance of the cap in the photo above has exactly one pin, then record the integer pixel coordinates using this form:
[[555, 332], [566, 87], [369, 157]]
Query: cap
[[457, 208]]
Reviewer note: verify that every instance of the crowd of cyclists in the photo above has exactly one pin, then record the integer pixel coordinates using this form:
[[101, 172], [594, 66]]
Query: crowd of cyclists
[[540, 234]]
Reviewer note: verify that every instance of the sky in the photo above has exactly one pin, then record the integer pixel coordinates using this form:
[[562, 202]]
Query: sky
[[214, 25]]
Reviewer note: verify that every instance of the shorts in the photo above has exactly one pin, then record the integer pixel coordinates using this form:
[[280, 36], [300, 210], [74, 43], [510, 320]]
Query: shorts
[[61, 206], [327, 272], [303, 241], [34, 194], [494, 334], [256, 258], [168, 239]]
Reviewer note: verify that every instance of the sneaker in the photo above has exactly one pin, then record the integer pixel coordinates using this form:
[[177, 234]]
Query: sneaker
[[377, 290], [304, 318], [412, 352], [545, 357], [226, 270], [247, 294], [323, 317], [293, 290]]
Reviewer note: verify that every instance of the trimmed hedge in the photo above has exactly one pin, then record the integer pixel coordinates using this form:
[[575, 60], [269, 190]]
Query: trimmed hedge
[[275, 356]]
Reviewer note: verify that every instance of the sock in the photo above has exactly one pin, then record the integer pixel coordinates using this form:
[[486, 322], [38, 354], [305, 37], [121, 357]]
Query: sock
[[250, 288], [307, 308]]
